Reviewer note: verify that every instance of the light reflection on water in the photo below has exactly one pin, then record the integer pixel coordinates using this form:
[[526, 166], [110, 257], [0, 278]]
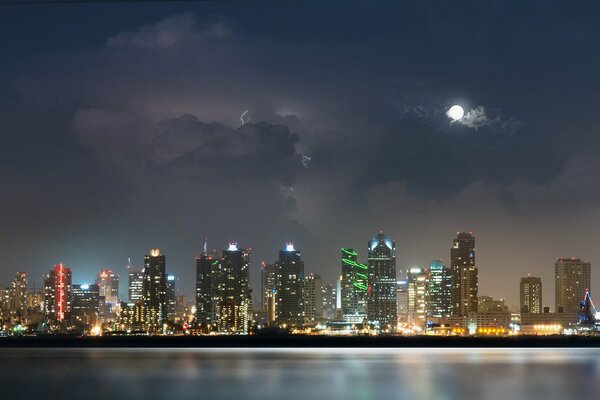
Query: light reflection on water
[[289, 374]]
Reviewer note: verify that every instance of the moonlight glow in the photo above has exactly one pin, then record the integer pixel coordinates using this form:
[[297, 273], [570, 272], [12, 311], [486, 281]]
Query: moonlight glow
[[455, 112]]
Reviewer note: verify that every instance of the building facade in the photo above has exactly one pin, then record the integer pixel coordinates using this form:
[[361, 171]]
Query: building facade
[[290, 288], [572, 279], [439, 290], [155, 290], [530, 291], [313, 299], [354, 286], [464, 275], [417, 280], [381, 292]]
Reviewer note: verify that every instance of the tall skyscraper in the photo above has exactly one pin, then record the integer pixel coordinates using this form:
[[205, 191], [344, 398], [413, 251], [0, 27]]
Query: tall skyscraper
[[355, 281], [417, 279], [232, 290], [18, 297], [206, 267], [108, 286], [85, 305], [439, 289], [268, 278], [329, 301], [290, 287], [57, 293], [572, 279], [464, 275], [531, 295], [402, 301], [155, 290], [136, 285], [381, 294], [313, 298], [170, 316]]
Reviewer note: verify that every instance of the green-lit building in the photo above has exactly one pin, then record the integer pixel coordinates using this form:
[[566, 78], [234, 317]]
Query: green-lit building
[[355, 281]]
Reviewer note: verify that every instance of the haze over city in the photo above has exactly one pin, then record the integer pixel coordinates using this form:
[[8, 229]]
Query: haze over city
[[163, 125]]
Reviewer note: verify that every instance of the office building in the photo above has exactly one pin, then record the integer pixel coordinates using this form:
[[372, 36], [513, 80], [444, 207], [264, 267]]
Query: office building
[[290, 287], [417, 279], [205, 288], [531, 295], [85, 305], [381, 293], [354, 286], [464, 275], [154, 290], [439, 289], [136, 285], [572, 279], [313, 299], [57, 293], [268, 277], [18, 297]]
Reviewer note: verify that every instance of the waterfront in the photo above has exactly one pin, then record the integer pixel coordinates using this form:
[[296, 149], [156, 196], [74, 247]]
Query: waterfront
[[351, 373]]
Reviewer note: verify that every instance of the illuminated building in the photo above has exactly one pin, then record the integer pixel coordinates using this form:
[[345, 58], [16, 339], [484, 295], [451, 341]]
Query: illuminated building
[[354, 285], [329, 302], [131, 316], [108, 286], [531, 295], [18, 297], [268, 276], [85, 305], [154, 290], [487, 304], [417, 279], [57, 293], [290, 287], [381, 293], [402, 301], [136, 285], [170, 298], [572, 279], [313, 298], [271, 308], [439, 288], [205, 288], [232, 291], [464, 275]]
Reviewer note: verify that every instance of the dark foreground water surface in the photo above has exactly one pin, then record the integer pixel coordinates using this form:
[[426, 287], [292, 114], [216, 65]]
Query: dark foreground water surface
[[290, 374]]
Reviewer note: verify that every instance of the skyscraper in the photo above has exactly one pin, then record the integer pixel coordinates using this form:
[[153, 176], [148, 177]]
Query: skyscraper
[[531, 295], [381, 294], [170, 298], [268, 277], [572, 279], [136, 285], [439, 288], [18, 297], [313, 298], [57, 293], [355, 281], [290, 287], [205, 288], [108, 286], [155, 290], [85, 305], [232, 291], [417, 279], [329, 302], [464, 275]]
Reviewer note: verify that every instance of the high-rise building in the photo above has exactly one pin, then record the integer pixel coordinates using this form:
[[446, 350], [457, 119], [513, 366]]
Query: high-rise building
[[85, 305], [531, 295], [439, 289], [572, 279], [108, 286], [232, 291], [170, 298], [354, 286], [402, 301], [290, 287], [464, 275], [18, 297], [381, 294], [487, 304], [57, 293], [417, 279], [329, 302], [155, 290], [313, 298], [207, 267], [136, 285], [268, 278]]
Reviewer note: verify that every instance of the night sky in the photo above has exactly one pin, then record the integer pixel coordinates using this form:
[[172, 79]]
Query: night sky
[[120, 131]]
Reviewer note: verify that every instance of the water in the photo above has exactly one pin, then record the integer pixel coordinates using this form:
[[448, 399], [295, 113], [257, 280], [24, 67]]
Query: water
[[290, 374]]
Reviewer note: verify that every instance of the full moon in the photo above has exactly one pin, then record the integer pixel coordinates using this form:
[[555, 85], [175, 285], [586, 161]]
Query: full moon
[[456, 112]]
